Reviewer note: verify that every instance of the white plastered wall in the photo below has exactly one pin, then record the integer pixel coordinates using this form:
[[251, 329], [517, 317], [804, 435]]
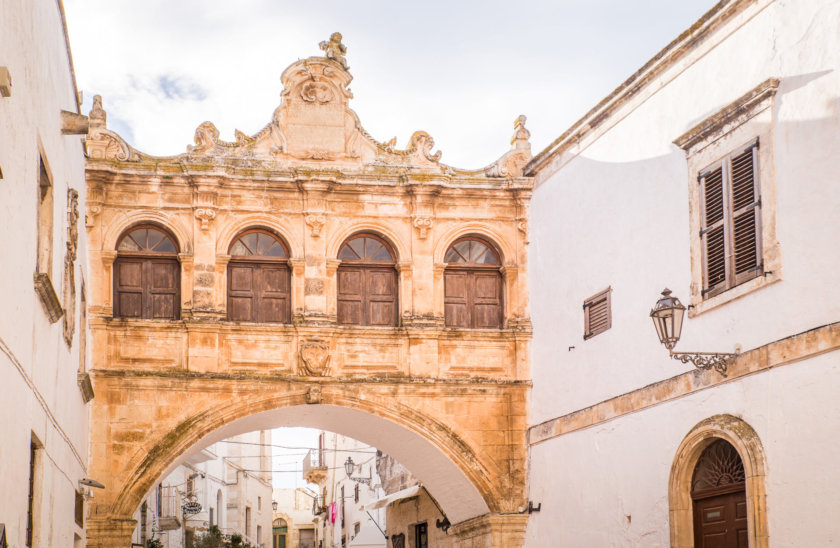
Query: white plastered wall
[[38, 371]]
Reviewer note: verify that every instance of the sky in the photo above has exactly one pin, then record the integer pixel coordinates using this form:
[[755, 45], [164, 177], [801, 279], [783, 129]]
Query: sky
[[462, 71]]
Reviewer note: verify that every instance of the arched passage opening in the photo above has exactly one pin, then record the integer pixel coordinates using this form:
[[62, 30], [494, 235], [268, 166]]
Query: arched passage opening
[[464, 468]]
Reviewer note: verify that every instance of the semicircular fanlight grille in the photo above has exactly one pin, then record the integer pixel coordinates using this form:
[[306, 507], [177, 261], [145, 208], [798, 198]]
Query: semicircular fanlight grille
[[718, 466]]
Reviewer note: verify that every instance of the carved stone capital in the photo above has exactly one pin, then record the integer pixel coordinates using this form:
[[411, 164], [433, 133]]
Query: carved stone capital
[[315, 221], [206, 216], [423, 224], [91, 211], [44, 289]]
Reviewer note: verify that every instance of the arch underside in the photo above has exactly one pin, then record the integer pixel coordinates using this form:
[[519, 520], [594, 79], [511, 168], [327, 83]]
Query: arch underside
[[423, 445]]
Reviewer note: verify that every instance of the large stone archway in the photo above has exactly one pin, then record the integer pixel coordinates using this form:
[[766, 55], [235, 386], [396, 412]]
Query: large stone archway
[[450, 403], [473, 466]]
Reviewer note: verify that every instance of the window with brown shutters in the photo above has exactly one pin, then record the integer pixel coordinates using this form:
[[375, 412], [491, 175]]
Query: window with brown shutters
[[367, 282], [147, 275], [597, 314], [472, 285], [259, 279], [731, 221]]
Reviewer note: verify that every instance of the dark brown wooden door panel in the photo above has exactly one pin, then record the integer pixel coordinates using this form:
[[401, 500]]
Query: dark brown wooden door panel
[[721, 521], [147, 288], [240, 308], [241, 278], [259, 292], [473, 298], [367, 295], [129, 305]]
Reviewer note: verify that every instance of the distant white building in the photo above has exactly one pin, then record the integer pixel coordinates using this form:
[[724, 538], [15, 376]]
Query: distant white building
[[293, 525], [43, 331], [226, 485], [339, 508]]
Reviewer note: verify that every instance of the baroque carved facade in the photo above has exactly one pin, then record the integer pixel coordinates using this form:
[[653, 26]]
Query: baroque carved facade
[[312, 179]]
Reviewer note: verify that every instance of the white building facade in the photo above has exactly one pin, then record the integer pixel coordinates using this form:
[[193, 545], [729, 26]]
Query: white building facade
[[226, 485], [43, 332], [712, 171]]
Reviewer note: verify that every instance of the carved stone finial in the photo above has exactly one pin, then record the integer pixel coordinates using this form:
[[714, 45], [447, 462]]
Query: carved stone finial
[[335, 50], [98, 117], [521, 135]]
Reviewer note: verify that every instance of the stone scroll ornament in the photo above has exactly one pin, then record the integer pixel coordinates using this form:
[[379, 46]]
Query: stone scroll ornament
[[314, 359]]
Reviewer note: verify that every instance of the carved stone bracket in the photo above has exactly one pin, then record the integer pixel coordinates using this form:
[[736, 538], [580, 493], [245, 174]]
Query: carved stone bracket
[[206, 216], [91, 211], [423, 224], [44, 289], [315, 221], [313, 394], [314, 359]]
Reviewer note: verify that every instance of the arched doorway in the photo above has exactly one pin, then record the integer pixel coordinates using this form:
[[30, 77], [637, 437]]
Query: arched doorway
[[720, 462], [279, 530], [718, 491]]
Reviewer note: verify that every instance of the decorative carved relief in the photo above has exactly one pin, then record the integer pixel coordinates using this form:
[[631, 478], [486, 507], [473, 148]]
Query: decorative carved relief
[[315, 221], [316, 92], [69, 289], [206, 136], [91, 211], [334, 49], [423, 225], [314, 359], [206, 216], [313, 394]]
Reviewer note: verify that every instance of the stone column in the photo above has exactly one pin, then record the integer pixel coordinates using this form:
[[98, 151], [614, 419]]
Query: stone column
[[491, 531], [109, 532], [315, 192]]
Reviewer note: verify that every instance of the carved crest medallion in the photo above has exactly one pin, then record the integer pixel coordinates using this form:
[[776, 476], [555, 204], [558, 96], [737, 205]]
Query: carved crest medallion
[[314, 359]]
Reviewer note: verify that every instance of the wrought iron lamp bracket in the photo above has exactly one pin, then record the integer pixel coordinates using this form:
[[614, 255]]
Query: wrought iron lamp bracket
[[705, 360]]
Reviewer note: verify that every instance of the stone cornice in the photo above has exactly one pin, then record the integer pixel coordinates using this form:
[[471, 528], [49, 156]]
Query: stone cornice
[[743, 107], [785, 351]]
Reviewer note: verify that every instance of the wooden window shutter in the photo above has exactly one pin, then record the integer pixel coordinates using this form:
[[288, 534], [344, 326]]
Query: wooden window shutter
[[597, 314], [367, 282], [455, 298], [746, 216], [731, 221]]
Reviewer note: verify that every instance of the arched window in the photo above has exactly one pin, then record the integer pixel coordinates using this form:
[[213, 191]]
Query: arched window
[[367, 282], [472, 285], [718, 492], [280, 529], [147, 275], [259, 279]]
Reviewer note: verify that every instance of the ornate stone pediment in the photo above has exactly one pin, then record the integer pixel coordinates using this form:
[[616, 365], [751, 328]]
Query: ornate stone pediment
[[313, 124]]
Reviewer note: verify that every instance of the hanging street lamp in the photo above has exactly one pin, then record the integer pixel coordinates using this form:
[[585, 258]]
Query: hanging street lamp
[[349, 466], [667, 315]]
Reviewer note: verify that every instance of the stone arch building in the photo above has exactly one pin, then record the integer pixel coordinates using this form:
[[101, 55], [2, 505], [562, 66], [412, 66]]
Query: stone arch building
[[449, 402]]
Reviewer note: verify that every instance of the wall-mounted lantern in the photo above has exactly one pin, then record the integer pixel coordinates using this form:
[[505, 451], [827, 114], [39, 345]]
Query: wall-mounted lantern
[[274, 505], [349, 467], [667, 315]]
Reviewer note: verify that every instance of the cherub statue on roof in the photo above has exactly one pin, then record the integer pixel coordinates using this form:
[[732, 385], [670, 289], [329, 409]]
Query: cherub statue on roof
[[335, 50]]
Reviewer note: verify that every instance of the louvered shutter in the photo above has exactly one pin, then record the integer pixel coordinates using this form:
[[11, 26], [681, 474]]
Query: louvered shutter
[[746, 219], [597, 314], [714, 231]]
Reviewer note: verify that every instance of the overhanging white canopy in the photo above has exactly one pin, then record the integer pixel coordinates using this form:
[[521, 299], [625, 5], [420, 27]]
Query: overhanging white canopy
[[393, 497]]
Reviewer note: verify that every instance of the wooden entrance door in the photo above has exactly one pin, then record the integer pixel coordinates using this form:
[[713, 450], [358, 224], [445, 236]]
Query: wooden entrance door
[[721, 521], [720, 498]]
